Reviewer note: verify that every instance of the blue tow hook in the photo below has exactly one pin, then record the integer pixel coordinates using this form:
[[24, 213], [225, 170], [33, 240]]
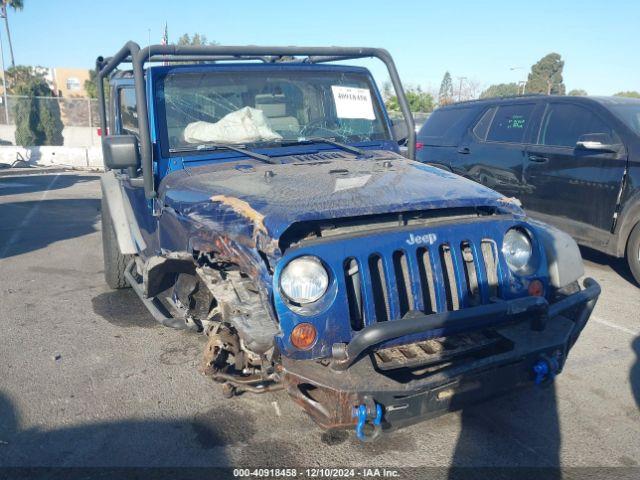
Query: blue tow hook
[[545, 369], [363, 414]]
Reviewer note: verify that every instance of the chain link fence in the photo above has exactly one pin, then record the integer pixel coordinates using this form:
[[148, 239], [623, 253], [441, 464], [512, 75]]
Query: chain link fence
[[40, 121]]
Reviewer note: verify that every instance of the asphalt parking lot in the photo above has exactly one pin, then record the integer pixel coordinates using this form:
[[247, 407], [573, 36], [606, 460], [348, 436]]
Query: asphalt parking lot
[[87, 378]]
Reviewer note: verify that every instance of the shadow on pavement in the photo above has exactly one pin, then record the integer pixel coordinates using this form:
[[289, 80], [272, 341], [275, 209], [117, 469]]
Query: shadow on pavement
[[32, 225], [38, 183], [634, 376], [142, 443], [517, 430], [618, 265]]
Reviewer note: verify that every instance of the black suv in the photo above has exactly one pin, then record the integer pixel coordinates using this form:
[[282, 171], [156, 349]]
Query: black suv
[[573, 162]]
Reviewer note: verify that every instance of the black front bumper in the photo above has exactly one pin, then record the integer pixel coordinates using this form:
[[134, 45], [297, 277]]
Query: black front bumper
[[533, 330]]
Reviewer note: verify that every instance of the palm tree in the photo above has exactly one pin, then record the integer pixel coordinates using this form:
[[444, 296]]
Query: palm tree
[[16, 5]]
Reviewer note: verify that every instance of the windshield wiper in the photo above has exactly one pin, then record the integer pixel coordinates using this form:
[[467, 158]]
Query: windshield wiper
[[222, 146], [330, 141]]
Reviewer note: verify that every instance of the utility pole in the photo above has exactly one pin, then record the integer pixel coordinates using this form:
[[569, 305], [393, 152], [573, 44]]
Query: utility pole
[[3, 14], [461, 79], [520, 82], [4, 84]]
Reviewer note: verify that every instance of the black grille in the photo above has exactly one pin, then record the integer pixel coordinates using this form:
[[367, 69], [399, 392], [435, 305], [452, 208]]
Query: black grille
[[460, 275]]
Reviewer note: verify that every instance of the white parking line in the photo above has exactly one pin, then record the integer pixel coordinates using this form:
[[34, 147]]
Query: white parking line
[[27, 218], [616, 326]]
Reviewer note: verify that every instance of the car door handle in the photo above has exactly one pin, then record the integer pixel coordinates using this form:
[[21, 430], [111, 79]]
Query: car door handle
[[538, 159], [464, 150]]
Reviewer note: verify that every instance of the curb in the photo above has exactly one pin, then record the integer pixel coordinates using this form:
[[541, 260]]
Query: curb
[[19, 172]]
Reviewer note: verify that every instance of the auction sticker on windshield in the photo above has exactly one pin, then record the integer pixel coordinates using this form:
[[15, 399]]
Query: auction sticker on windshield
[[353, 102]]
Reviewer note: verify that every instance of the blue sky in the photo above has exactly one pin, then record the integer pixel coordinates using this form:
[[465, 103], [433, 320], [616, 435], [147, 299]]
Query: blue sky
[[489, 42]]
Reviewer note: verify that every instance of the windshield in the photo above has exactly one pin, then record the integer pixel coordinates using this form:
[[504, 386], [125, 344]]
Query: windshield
[[629, 113], [261, 106]]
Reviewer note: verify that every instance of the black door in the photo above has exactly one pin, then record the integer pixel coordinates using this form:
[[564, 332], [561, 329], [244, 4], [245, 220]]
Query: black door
[[574, 188], [493, 149]]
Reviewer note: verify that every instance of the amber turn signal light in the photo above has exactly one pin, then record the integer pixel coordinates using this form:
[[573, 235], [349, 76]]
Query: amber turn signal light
[[303, 336], [536, 289]]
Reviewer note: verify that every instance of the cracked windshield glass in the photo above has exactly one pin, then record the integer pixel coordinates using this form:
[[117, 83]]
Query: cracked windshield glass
[[258, 108]]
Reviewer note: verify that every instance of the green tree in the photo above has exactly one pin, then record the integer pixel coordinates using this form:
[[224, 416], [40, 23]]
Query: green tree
[[629, 94], [91, 85], [578, 92], [546, 76], [445, 96], [24, 80], [197, 39], [16, 5], [501, 90], [37, 112], [419, 100]]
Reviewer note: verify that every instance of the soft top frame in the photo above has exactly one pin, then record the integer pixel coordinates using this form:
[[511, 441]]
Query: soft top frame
[[138, 57]]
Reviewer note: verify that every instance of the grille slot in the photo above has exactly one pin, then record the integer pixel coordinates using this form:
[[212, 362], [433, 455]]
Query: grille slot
[[379, 286], [427, 285], [441, 277], [470, 275], [403, 280], [449, 276], [353, 281], [490, 257]]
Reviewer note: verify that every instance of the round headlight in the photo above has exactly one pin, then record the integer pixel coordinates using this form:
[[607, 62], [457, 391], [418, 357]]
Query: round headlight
[[516, 248], [304, 280]]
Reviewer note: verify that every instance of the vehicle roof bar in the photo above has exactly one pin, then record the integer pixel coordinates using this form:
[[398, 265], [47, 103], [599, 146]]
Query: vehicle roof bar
[[138, 57]]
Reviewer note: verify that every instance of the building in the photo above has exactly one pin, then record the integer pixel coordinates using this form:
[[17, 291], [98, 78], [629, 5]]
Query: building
[[65, 82]]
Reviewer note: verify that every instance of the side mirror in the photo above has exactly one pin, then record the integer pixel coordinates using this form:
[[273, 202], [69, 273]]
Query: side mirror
[[600, 142], [399, 129], [120, 151]]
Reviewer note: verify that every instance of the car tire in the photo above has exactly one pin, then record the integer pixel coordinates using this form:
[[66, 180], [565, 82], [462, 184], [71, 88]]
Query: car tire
[[115, 262], [633, 252]]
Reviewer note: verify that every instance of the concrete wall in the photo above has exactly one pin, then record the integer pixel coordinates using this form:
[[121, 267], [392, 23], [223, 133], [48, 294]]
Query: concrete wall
[[73, 136], [73, 157]]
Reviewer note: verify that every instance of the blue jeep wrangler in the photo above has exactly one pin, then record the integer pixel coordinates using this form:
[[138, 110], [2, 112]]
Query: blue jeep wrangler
[[256, 195]]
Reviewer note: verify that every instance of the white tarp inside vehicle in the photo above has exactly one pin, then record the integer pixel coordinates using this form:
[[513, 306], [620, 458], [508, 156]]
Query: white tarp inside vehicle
[[242, 126]]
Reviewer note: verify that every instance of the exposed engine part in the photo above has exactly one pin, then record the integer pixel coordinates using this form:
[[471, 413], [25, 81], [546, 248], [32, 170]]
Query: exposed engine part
[[211, 295], [242, 305], [226, 360]]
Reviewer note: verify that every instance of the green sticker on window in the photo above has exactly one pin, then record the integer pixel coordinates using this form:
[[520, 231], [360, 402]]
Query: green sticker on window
[[516, 121]]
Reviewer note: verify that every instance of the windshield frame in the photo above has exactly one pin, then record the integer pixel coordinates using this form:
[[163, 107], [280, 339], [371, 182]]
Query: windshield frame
[[160, 73]]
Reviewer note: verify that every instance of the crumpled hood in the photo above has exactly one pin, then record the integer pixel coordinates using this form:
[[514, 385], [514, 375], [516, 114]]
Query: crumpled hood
[[318, 186]]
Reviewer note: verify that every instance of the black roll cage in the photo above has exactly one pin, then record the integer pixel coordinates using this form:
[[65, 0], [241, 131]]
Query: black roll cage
[[138, 57]]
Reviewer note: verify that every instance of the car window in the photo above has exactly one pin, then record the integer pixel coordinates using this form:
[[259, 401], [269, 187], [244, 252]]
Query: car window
[[444, 126], [482, 127], [128, 113], [510, 123], [442, 120], [629, 113], [564, 123]]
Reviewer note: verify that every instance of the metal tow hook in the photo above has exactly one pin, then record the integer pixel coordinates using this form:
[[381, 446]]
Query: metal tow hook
[[364, 413], [545, 369]]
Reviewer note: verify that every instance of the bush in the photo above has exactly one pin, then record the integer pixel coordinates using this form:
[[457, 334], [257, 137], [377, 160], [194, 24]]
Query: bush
[[38, 122], [37, 112]]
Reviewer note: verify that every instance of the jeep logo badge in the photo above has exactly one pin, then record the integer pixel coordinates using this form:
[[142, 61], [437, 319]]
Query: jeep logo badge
[[427, 238]]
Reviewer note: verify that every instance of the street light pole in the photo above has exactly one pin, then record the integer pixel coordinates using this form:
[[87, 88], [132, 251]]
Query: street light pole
[[4, 83], [460, 87]]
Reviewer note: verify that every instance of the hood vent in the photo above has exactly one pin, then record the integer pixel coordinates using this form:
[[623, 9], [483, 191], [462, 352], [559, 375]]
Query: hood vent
[[318, 157]]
